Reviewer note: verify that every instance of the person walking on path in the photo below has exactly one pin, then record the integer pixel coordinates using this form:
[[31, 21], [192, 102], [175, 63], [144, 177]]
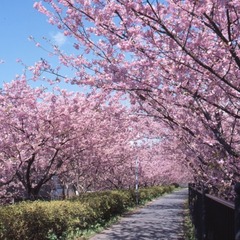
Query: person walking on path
[[162, 219]]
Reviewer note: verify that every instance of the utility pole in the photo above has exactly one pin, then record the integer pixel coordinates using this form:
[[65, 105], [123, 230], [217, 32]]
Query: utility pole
[[136, 178]]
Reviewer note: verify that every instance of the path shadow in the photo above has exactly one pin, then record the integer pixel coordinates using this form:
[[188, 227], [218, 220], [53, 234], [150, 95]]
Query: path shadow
[[160, 219]]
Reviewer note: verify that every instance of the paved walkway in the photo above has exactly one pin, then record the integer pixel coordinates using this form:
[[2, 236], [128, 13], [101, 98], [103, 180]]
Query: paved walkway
[[161, 219]]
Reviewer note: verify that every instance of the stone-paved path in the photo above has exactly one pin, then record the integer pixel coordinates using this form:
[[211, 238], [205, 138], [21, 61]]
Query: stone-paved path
[[162, 219]]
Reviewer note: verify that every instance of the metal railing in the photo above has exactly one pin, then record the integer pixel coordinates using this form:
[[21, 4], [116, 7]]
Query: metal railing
[[214, 218]]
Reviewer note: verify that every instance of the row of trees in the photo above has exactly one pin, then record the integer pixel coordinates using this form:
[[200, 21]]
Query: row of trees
[[75, 140], [177, 60]]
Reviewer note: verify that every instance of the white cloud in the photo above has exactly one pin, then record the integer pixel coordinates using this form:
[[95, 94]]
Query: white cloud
[[59, 39]]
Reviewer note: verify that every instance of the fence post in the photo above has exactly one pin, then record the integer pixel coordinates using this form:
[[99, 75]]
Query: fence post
[[203, 220], [190, 199], [189, 194], [237, 211]]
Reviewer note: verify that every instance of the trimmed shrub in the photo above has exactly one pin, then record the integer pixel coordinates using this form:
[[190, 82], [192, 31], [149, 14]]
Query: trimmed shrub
[[56, 219]]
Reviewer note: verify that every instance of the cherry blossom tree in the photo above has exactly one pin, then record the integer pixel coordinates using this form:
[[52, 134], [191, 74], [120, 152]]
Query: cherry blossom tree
[[75, 139], [107, 153], [36, 132], [178, 61]]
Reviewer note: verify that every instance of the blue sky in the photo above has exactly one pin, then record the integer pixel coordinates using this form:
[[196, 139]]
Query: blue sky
[[18, 21]]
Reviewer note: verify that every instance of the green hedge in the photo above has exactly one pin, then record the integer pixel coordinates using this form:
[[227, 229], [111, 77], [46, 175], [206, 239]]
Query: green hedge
[[41, 220]]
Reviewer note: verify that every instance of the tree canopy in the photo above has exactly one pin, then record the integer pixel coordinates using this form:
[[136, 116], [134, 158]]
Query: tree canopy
[[178, 61], [164, 89]]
